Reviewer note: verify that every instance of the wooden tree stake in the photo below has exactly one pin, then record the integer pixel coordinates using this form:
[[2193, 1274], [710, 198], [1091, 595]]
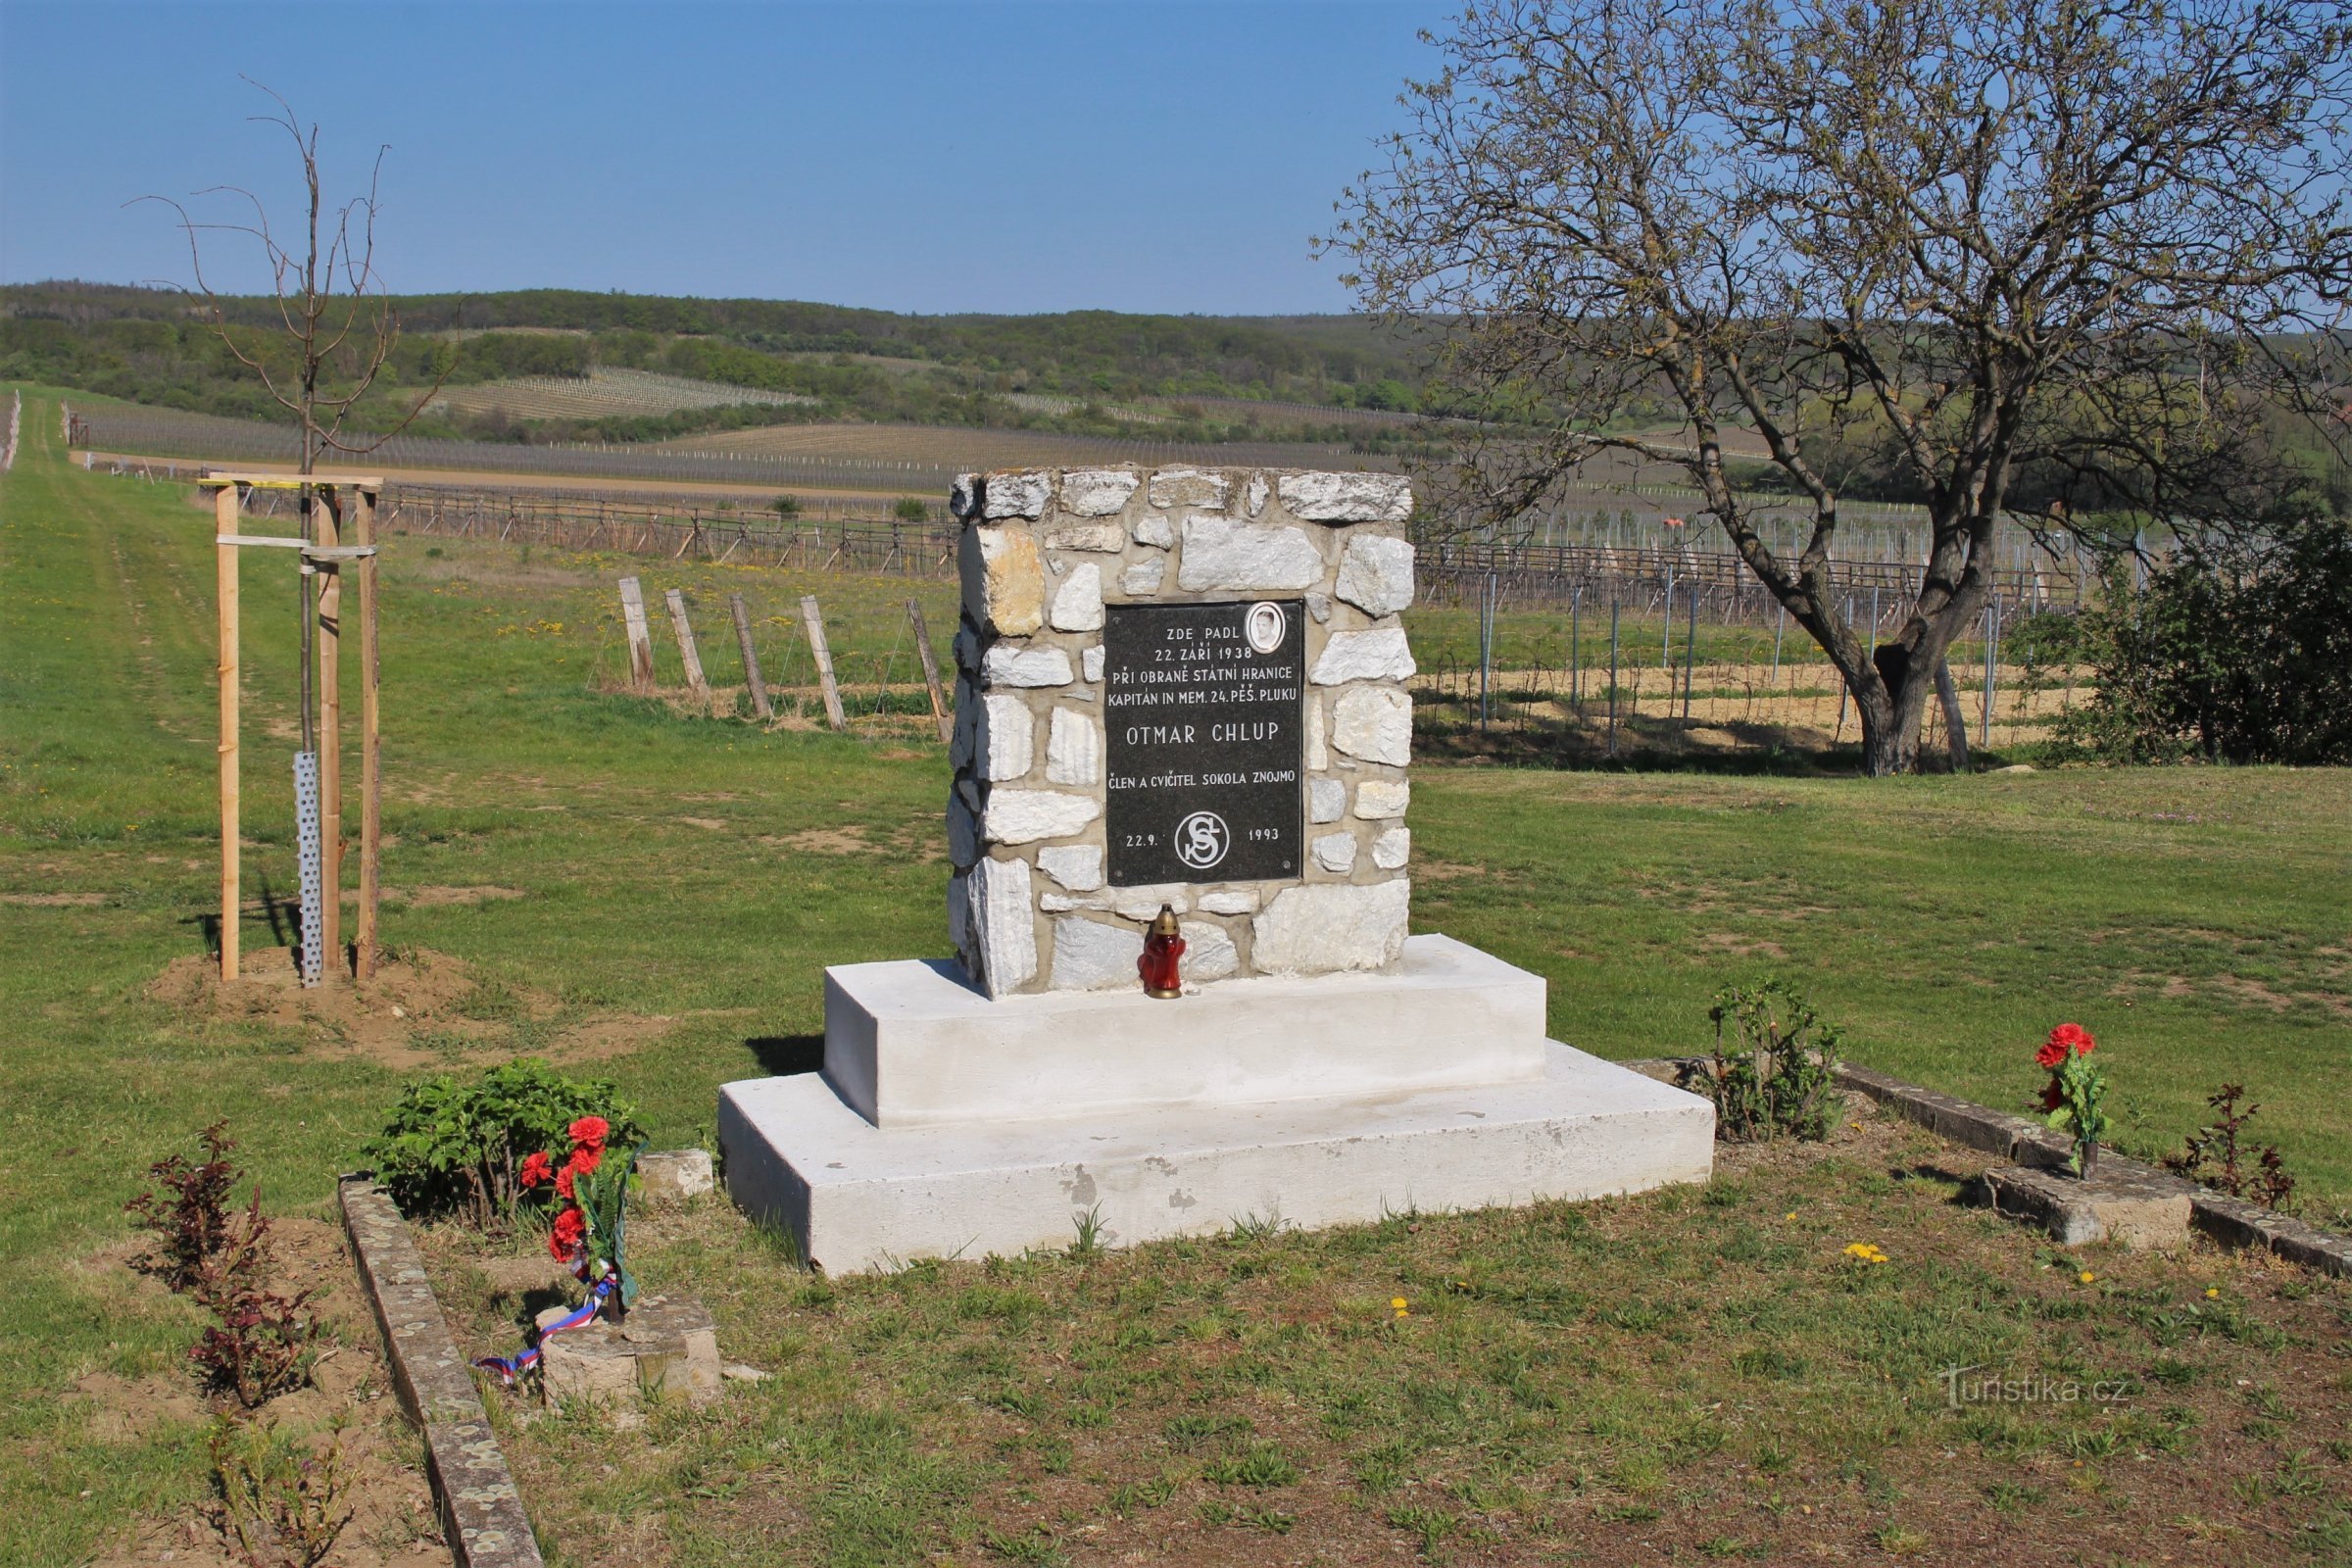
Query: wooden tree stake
[[372, 762], [815, 620], [641, 640], [687, 653], [751, 658], [330, 511], [225, 524], [922, 646]]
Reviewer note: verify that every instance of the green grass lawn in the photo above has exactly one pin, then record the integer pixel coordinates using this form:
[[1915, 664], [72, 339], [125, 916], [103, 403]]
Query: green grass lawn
[[678, 885]]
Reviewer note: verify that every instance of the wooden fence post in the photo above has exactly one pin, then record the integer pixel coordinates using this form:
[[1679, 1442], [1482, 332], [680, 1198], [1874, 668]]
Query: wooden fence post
[[686, 649], [371, 751], [814, 621], [751, 658], [641, 641], [225, 524], [922, 646]]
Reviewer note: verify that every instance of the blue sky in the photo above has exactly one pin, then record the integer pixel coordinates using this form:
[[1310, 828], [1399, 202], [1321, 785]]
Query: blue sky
[[913, 157]]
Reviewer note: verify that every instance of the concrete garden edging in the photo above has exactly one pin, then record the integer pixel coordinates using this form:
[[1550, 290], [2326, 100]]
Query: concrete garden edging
[[2232, 1221], [481, 1509]]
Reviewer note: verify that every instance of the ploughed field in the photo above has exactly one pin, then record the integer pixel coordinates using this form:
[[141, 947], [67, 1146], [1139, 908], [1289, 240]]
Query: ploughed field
[[629, 886]]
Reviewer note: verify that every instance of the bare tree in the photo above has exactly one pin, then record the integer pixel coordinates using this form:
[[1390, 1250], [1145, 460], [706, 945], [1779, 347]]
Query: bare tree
[[2050, 259], [325, 349]]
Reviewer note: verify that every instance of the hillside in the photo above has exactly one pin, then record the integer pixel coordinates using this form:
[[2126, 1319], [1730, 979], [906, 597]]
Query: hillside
[[552, 365]]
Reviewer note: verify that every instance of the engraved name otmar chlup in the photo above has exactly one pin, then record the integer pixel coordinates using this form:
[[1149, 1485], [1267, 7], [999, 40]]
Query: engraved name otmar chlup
[[1204, 704]]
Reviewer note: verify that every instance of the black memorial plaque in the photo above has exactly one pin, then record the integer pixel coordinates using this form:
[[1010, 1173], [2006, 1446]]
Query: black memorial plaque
[[1202, 710]]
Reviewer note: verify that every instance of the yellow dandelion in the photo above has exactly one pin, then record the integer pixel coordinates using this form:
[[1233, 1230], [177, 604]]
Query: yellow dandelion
[[2087, 1277], [1396, 1302], [1865, 1253], [1792, 1215], [2213, 1293]]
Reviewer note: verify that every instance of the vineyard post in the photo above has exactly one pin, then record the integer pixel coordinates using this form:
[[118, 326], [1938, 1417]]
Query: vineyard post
[[751, 658], [1612, 673], [813, 620], [641, 641], [1690, 649], [688, 654], [922, 648]]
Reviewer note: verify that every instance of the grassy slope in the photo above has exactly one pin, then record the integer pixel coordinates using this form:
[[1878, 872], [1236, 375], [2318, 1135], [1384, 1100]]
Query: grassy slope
[[2192, 919]]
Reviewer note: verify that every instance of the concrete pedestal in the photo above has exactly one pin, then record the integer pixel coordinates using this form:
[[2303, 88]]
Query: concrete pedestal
[[1166, 1118]]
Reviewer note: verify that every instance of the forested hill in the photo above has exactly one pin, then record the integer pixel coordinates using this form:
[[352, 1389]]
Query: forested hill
[[150, 345]]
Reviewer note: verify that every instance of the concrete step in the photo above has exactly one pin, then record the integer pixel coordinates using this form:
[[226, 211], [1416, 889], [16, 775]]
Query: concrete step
[[859, 1196]]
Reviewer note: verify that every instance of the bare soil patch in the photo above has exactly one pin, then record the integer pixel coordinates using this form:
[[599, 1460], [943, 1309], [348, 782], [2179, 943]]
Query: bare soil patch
[[391, 1525], [822, 840], [422, 1009], [428, 898], [54, 901]]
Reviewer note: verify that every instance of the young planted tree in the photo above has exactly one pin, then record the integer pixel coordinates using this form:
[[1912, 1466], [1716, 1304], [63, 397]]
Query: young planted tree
[[330, 328], [2045, 260]]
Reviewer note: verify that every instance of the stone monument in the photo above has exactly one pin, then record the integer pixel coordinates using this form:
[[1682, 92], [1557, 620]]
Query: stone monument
[[1183, 690]]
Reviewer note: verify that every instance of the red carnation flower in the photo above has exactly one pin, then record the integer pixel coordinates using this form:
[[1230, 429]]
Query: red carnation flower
[[572, 1226], [536, 1169], [2050, 1054], [2073, 1037], [581, 1163], [590, 1132]]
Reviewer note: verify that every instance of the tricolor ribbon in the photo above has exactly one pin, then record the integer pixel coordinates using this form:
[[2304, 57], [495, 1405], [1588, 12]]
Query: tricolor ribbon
[[511, 1367]]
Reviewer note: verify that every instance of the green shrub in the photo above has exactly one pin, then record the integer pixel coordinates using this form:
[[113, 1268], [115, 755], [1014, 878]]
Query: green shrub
[[453, 1148], [2235, 651], [1775, 1073], [910, 509]]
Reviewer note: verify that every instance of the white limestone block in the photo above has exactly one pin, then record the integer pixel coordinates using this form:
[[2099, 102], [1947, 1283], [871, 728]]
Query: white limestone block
[[1374, 723], [1143, 903], [1107, 537], [1017, 495], [1392, 848], [1377, 798], [1074, 748], [1321, 927], [1078, 601], [1257, 494], [1188, 487], [1089, 956], [1096, 492], [1091, 663], [1005, 664], [1246, 556], [1208, 952], [1064, 902], [1002, 930], [963, 497], [1318, 754], [1376, 573], [1003, 580], [1377, 655], [1318, 607], [1348, 497], [1141, 579], [1336, 852], [1231, 901], [1076, 866], [1154, 530], [1326, 800], [1006, 743], [1023, 817]]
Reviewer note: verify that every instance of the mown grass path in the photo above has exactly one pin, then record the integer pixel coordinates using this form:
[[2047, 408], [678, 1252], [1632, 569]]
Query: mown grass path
[[664, 892]]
